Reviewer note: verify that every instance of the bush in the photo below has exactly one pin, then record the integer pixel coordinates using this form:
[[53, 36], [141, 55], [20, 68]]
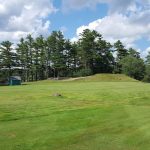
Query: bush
[[133, 67], [147, 74], [146, 79], [83, 73], [3, 81]]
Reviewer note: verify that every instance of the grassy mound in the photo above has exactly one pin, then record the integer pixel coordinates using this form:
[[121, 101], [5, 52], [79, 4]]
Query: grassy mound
[[107, 78]]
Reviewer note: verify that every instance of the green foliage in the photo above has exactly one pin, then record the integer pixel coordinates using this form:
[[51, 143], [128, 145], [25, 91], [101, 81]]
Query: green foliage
[[7, 57], [133, 67], [120, 49], [121, 53], [56, 44], [40, 58], [132, 52], [107, 78], [83, 73], [95, 53], [87, 47], [147, 70]]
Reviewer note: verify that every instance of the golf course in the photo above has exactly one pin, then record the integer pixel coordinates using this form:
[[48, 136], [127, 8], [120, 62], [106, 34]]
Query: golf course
[[100, 112]]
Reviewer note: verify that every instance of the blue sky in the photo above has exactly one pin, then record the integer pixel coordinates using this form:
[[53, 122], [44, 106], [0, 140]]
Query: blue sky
[[71, 20], [125, 20]]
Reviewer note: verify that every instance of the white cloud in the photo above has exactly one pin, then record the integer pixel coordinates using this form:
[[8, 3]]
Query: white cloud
[[78, 4], [12, 36], [18, 18], [63, 29], [127, 20], [117, 27], [145, 52], [114, 5], [74, 39], [125, 27]]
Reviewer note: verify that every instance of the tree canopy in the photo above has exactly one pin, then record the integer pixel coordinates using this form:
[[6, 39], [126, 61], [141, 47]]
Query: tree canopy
[[40, 58]]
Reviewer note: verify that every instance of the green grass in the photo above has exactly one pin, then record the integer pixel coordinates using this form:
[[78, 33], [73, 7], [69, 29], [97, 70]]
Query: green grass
[[89, 116], [108, 78]]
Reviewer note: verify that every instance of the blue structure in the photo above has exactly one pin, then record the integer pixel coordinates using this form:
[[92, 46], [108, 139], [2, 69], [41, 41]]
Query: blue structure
[[15, 80]]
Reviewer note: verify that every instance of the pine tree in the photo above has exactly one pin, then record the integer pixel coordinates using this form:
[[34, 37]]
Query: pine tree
[[120, 49], [41, 56], [58, 61], [23, 58], [31, 68], [87, 48], [121, 53], [7, 57], [71, 56], [104, 60], [132, 52]]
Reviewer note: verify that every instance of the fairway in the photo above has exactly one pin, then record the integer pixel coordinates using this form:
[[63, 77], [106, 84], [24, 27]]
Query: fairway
[[90, 115]]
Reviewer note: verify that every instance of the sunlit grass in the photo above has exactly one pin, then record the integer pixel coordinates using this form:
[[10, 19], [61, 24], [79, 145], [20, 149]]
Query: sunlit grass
[[89, 115]]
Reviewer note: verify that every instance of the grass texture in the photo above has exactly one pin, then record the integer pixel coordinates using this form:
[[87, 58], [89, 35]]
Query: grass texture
[[95, 113]]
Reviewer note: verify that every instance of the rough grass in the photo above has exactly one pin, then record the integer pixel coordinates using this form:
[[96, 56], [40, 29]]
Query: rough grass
[[89, 116], [108, 78]]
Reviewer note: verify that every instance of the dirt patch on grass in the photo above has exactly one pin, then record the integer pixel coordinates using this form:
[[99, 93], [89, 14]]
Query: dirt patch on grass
[[73, 79]]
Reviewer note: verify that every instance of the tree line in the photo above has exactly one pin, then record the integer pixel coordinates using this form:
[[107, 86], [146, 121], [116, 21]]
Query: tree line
[[53, 57]]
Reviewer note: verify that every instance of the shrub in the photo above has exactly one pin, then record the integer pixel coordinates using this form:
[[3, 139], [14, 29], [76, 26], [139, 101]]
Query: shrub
[[83, 73]]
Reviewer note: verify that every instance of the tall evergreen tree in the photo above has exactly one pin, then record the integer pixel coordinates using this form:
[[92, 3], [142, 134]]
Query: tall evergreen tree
[[120, 49], [23, 58], [41, 56], [134, 53], [71, 56], [7, 57], [87, 48], [58, 61], [147, 70], [30, 45], [104, 57], [121, 53], [36, 59]]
